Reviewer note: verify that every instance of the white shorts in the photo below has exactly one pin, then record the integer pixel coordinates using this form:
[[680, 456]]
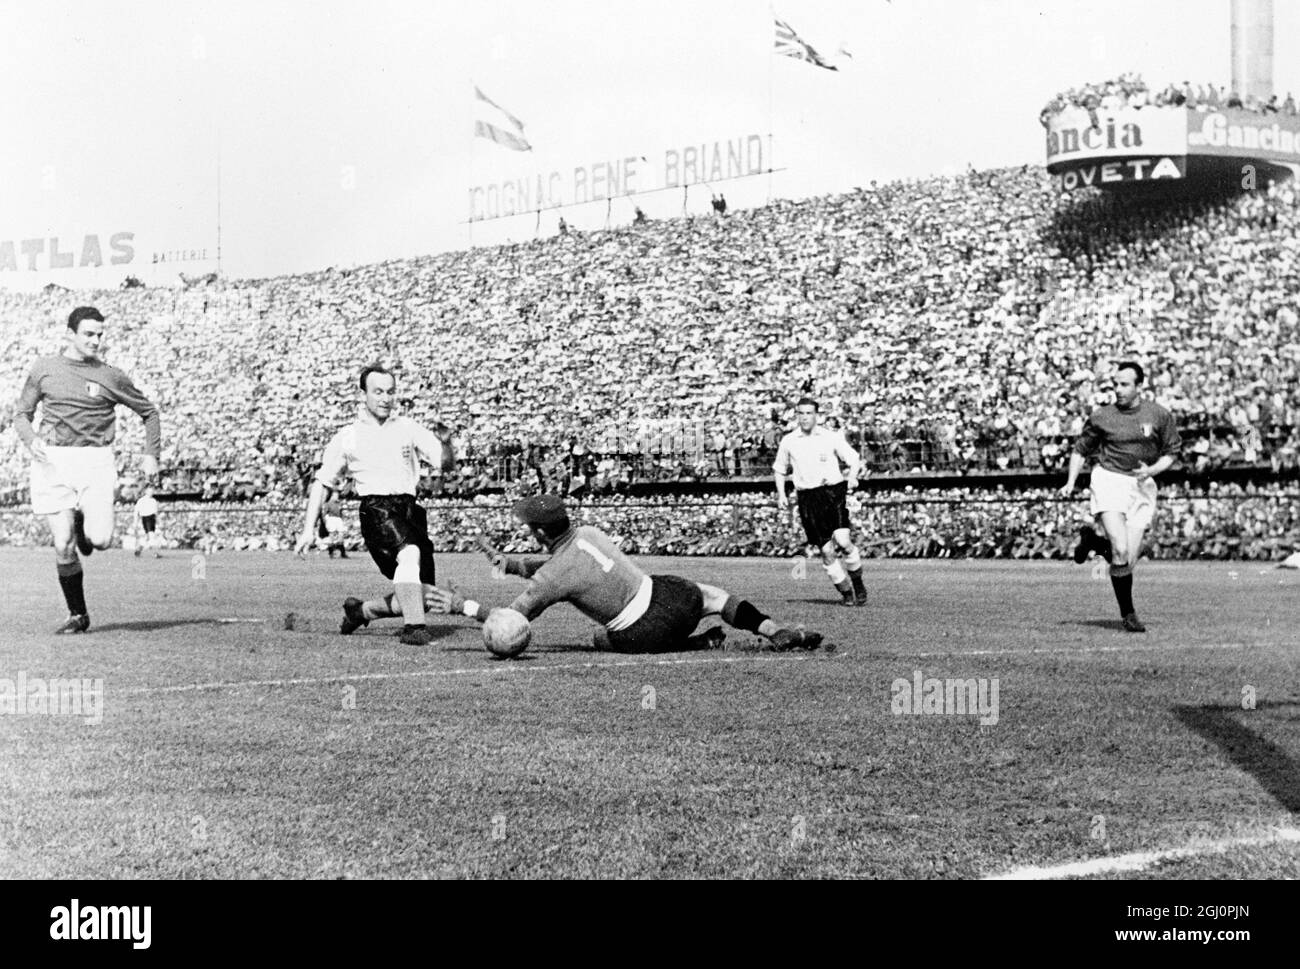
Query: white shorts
[[1123, 493], [74, 477]]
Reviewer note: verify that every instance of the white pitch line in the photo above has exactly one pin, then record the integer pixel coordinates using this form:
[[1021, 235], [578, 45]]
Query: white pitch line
[[511, 669], [1138, 860], [1135, 648]]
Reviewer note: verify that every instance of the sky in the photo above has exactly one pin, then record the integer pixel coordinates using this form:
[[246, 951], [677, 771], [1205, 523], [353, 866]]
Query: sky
[[337, 133]]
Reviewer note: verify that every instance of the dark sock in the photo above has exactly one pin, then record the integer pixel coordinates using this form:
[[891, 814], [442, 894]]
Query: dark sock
[[845, 587], [70, 579], [1101, 544], [742, 615], [855, 576], [1123, 592]]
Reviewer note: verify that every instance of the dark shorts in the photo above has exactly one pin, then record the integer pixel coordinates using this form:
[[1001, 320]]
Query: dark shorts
[[823, 510], [389, 522], [148, 523], [676, 608]]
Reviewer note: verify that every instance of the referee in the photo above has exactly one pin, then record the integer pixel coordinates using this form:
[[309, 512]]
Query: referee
[[814, 454], [73, 475], [381, 452], [1130, 441]]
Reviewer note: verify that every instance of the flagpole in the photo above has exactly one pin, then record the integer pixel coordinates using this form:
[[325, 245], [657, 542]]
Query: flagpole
[[469, 223], [771, 19], [219, 198]]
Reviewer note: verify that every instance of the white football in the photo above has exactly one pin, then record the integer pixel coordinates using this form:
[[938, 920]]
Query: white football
[[506, 633]]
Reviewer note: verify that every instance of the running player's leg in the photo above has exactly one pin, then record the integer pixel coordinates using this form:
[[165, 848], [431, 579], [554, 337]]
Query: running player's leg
[[1136, 533], [836, 572], [68, 566], [1092, 539], [1123, 555], [54, 496], [742, 614], [407, 587], [843, 541], [1136, 521], [96, 503], [820, 519]]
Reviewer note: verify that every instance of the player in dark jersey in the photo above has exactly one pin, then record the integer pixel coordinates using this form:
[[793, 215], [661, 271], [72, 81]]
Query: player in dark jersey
[[73, 475], [1131, 441], [639, 613]]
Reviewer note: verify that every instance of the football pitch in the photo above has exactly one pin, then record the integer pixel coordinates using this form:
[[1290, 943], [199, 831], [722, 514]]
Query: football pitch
[[1042, 740]]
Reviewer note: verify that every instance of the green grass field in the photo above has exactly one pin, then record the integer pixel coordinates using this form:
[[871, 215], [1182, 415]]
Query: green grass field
[[239, 749]]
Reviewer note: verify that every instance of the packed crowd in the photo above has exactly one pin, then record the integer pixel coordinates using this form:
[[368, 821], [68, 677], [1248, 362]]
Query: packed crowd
[[1130, 91], [1216, 521], [956, 324]]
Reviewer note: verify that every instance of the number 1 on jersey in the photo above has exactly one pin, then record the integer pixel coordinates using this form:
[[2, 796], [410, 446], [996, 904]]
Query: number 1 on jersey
[[606, 563]]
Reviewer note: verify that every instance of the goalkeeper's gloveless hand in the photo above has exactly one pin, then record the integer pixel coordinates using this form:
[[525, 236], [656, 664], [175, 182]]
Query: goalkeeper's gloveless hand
[[444, 601], [494, 554]]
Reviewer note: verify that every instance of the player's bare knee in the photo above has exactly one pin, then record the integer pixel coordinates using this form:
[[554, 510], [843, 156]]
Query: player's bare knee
[[842, 539], [829, 552]]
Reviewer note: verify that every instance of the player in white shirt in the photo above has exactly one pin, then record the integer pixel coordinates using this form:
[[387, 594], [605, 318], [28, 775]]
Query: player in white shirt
[[146, 518], [814, 454], [382, 453]]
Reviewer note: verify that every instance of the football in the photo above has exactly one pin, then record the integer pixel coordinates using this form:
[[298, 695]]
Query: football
[[506, 633]]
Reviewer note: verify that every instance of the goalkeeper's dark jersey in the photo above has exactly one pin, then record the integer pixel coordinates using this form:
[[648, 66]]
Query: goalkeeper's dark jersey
[[585, 569]]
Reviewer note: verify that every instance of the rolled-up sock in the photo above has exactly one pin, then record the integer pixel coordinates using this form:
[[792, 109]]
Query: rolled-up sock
[[70, 579]]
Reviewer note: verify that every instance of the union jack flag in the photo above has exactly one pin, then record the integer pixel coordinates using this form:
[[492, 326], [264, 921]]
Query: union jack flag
[[790, 44]]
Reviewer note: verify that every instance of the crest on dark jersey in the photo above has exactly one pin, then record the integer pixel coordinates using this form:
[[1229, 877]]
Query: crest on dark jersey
[[1147, 429]]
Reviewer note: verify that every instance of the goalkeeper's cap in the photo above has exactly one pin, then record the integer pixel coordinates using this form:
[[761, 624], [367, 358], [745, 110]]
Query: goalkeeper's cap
[[541, 510]]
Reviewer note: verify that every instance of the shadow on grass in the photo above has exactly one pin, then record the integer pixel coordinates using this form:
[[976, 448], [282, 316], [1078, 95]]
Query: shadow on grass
[[155, 625], [1115, 624], [1276, 770], [531, 653], [394, 630]]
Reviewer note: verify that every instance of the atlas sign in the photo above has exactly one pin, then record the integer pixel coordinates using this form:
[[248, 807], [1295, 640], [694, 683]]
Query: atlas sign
[[37, 255]]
